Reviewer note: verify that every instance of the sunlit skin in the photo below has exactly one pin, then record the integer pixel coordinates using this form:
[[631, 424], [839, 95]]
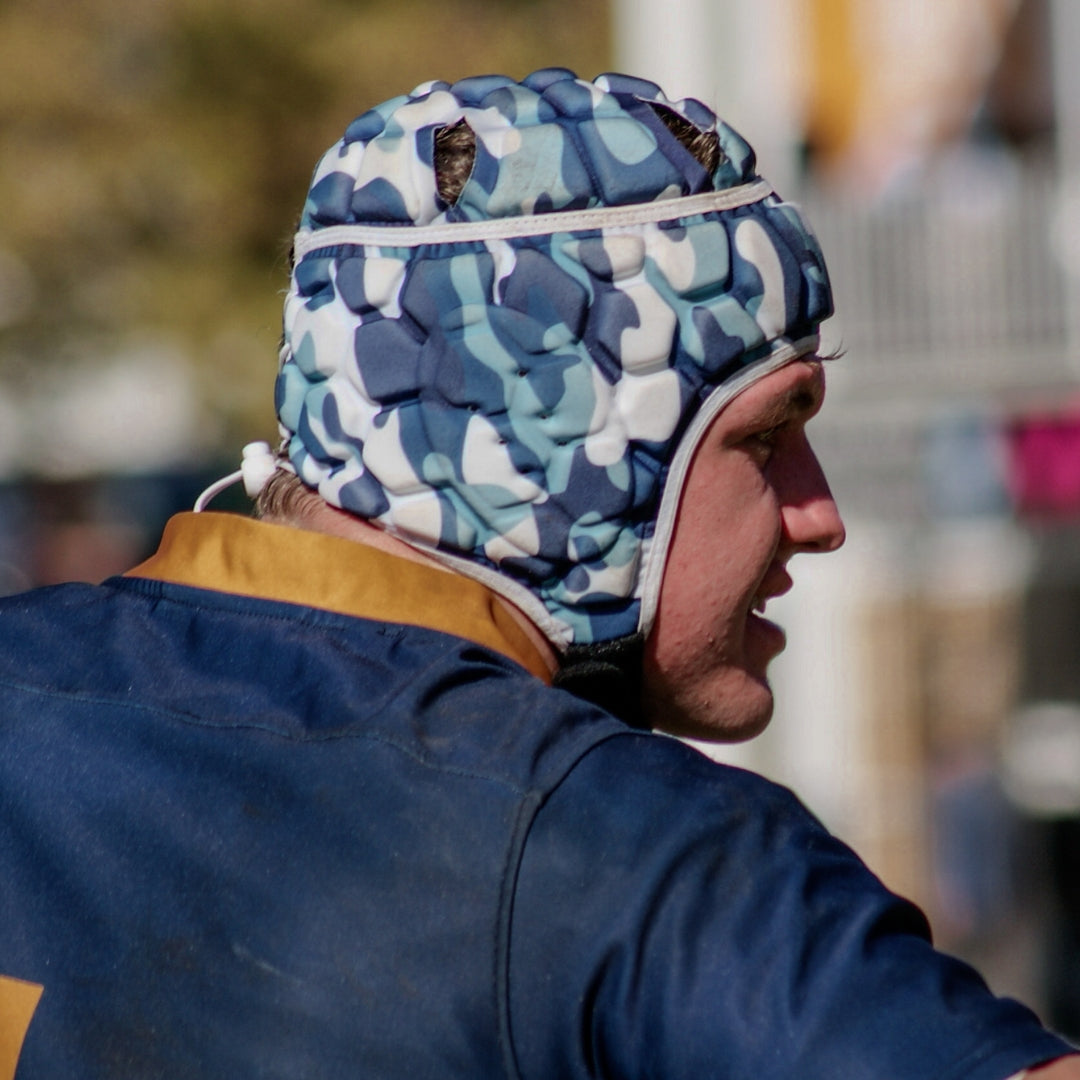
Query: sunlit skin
[[754, 496]]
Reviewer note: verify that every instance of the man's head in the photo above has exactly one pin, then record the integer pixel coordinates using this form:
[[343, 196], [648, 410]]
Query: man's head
[[514, 370]]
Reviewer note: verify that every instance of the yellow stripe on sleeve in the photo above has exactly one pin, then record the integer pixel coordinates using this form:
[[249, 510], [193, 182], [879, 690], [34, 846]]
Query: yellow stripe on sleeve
[[18, 1000]]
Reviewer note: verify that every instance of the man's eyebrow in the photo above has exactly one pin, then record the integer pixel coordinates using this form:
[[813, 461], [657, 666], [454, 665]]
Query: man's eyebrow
[[799, 402]]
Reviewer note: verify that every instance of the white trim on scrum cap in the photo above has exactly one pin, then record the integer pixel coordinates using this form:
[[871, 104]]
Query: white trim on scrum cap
[[510, 228]]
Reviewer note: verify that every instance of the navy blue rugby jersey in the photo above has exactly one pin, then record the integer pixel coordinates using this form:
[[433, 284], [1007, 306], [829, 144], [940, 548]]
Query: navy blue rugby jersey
[[244, 836]]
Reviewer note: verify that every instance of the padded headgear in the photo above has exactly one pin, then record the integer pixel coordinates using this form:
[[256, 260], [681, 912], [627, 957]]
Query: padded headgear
[[514, 383]]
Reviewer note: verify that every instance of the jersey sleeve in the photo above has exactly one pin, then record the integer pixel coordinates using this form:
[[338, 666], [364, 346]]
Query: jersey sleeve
[[674, 918]]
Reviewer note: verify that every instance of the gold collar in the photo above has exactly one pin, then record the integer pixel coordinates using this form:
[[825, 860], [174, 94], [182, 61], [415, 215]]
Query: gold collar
[[234, 554]]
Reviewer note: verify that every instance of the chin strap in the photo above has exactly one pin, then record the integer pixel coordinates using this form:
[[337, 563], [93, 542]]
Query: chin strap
[[608, 674]]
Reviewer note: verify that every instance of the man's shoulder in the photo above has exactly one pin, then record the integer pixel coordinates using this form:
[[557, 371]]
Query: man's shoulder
[[43, 629], [683, 912], [633, 776], [647, 804], [179, 653]]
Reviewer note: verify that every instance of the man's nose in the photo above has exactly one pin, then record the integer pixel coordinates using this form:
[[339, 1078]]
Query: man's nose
[[815, 526], [812, 521]]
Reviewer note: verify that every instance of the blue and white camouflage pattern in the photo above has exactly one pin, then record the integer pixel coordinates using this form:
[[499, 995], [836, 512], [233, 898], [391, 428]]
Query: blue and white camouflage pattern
[[505, 382]]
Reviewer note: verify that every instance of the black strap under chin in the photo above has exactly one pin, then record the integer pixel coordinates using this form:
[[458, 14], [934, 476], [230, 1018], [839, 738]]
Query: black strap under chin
[[607, 673]]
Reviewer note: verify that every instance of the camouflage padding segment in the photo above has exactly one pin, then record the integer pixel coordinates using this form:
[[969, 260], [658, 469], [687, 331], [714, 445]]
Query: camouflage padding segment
[[517, 401], [551, 142]]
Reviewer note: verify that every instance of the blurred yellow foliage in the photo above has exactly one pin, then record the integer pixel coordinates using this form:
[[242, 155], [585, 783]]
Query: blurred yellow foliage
[[156, 156]]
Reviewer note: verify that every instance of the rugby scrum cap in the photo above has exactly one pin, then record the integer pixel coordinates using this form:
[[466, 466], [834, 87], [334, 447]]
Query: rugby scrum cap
[[515, 383]]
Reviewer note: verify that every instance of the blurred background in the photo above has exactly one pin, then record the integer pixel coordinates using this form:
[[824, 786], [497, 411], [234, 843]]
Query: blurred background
[[155, 158]]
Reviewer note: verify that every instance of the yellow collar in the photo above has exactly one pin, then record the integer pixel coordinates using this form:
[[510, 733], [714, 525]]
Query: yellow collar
[[234, 554]]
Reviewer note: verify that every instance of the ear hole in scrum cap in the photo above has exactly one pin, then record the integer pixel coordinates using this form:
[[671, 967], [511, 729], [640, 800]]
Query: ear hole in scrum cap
[[455, 149], [703, 144], [455, 155]]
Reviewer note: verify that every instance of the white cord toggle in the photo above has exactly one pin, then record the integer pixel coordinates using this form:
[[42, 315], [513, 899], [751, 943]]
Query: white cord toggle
[[256, 467]]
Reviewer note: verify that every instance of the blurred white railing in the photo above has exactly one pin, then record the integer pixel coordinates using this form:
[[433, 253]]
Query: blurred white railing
[[952, 298]]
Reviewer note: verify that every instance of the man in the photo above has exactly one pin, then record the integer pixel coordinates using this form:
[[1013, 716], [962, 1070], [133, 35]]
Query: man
[[296, 797]]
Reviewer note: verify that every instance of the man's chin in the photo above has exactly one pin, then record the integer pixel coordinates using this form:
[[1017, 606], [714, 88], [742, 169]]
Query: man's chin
[[740, 732], [732, 718]]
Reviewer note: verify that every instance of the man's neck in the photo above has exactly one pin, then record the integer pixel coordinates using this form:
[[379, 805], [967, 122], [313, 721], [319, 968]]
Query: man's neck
[[321, 517]]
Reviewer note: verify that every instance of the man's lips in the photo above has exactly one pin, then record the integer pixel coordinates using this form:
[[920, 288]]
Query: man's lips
[[776, 582], [768, 637]]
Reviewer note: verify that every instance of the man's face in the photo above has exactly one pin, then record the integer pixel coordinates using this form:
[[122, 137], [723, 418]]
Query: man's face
[[754, 496]]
